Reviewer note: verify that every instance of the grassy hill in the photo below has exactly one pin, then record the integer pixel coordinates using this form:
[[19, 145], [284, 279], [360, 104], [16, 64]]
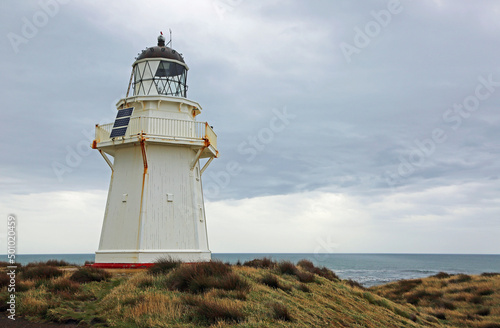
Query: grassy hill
[[260, 293], [458, 300]]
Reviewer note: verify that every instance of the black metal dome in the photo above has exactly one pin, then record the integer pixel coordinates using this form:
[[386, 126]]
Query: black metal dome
[[161, 51]]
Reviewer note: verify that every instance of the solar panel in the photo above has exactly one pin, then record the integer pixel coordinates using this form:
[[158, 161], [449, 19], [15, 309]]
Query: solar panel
[[121, 122], [124, 112], [118, 132]]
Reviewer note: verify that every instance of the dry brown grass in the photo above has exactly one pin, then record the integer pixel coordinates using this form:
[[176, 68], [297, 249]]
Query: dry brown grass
[[155, 304], [33, 302]]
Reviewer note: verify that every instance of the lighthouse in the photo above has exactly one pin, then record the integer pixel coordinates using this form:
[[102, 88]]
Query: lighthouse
[[155, 148]]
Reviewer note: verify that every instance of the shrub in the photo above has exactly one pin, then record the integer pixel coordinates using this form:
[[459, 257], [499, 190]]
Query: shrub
[[441, 275], [490, 274], [280, 312], [163, 265], [213, 311], [89, 274], [354, 283], [287, 267], [40, 272], [260, 263]]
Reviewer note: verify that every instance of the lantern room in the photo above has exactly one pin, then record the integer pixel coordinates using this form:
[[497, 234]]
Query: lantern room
[[160, 70]]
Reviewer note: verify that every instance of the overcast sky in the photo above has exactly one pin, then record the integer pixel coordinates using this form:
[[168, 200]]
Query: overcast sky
[[343, 126]]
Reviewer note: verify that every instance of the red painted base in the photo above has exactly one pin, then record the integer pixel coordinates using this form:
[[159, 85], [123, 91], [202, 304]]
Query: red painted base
[[121, 265]]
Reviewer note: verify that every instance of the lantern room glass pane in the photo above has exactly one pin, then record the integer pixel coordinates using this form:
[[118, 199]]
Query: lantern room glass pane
[[169, 69]]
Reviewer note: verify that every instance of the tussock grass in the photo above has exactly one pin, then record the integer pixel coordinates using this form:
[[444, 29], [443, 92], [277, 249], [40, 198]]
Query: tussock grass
[[323, 272], [52, 263], [270, 280], [58, 263], [354, 284], [213, 311], [164, 265], [305, 277], [39, 272], [280, 312], [34, 303], [488, 325], [303, 288], [460, 278], [265, 262], [155, 304], [441, 275], [306, 265], [62, 284], [203, 276], [89, 274], [287, 267], [455, 300]]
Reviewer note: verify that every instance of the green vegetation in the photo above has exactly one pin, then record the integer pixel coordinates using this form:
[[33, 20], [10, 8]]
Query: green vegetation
[[258, 293]]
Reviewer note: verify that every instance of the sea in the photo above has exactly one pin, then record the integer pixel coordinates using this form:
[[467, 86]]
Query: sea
[[367, 269]]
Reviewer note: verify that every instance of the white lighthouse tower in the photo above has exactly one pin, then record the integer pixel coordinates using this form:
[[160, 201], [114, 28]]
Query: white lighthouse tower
[[155, 201]]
